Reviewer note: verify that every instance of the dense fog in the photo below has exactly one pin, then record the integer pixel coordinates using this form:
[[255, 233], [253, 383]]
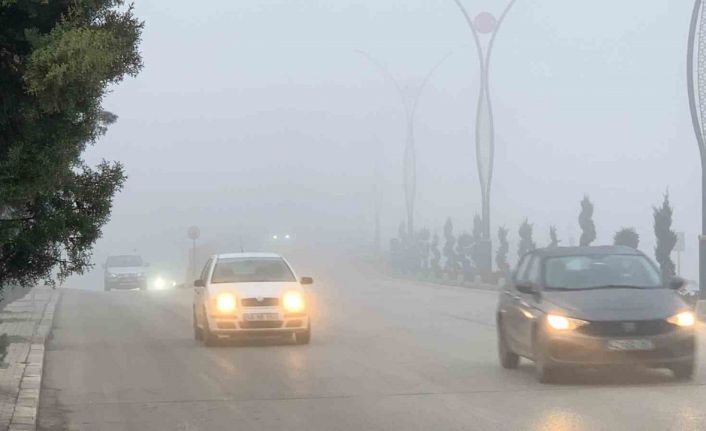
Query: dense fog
[[253, 118]]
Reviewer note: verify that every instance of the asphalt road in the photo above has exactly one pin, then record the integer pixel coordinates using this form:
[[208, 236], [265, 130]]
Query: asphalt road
[[385, 355]]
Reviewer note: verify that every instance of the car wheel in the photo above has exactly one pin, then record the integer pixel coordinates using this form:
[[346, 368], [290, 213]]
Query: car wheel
[[303, 337], [508, 359], [198, 332], [683, 370], [544, 369], [209, 339]]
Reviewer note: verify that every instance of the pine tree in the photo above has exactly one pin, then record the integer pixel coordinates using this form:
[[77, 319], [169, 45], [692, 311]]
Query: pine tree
[[553, 238], [503, 249], [627, 236], [588, 228], [666, 237], [526, 244]]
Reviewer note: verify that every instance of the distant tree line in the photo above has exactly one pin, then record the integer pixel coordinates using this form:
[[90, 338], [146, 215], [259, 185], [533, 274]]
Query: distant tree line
[[423, 254]]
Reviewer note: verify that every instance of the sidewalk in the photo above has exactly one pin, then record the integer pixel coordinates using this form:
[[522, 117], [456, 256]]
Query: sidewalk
[[27, 321]]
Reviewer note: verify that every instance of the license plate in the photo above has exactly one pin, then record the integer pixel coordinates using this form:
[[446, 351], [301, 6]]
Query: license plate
[[628, 345], [260, 316]]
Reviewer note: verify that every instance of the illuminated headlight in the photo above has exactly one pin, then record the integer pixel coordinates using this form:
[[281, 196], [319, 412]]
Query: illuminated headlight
[[160, 283], [562, 323], [293, 302], [684, 319], [225, 303]]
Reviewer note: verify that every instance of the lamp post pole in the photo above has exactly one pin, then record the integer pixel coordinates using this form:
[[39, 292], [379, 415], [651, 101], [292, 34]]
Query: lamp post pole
[[410, 154], [697, 105], [485, 24]]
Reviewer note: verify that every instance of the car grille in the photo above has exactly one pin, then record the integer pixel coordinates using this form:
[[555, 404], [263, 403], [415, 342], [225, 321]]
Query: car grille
[[265, 324], [627, 328], [264, 302]]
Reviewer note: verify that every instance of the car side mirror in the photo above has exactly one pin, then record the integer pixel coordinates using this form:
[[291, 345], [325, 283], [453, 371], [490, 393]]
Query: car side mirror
[[199, 283], [526, 287], [307, 280], [676, 283]]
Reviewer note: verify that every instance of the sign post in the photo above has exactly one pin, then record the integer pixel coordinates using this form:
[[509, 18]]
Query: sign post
[[193, 233]]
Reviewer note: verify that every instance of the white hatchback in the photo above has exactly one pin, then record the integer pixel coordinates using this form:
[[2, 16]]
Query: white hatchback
[[250, 294]]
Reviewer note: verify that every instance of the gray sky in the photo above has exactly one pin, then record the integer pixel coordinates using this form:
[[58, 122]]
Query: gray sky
[[257, 116]]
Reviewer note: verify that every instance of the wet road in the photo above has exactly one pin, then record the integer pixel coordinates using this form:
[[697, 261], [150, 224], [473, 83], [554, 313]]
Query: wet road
[[385, 355]]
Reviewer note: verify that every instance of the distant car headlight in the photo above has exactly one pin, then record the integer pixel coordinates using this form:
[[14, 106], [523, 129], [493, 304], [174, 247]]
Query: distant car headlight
[[159, 283], [293, 302], [225, 303], [684, 319], [562, 323]]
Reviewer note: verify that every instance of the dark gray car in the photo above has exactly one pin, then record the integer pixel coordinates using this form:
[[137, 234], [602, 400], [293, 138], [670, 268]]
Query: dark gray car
[[594, 306]]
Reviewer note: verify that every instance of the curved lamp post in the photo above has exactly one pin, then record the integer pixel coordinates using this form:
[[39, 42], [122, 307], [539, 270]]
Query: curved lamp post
[[485, 24], [410, 156], [697, 104]]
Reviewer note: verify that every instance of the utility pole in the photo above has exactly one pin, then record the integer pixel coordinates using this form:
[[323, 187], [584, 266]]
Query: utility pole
[[485, 24], [410, 155]]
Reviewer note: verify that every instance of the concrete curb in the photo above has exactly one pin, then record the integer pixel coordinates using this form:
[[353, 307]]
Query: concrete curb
[[24, 416]]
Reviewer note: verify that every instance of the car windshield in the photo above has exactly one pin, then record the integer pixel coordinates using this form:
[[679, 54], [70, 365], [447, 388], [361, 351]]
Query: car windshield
[[123, 261], [597, 271], [249, 270]]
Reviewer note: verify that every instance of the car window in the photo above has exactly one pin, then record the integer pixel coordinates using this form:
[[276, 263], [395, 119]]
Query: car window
[[533, 270], [204, 271], [520, 275], [581, 272], [248, 270], [123, 261]]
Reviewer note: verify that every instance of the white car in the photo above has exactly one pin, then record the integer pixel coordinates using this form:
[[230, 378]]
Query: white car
[[250, 294]]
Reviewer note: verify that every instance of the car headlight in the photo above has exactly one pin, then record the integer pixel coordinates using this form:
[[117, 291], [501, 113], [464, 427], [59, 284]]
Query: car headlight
[[225, 303], [684, 319], [562, 323], [293, 302], [159, 283]]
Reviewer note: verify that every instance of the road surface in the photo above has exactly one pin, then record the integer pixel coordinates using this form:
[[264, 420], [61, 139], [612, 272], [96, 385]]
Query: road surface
[[385, 355]]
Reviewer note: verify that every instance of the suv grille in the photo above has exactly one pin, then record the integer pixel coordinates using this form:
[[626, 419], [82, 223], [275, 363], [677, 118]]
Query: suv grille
[[253, 302], [627, 328], [265, 324]]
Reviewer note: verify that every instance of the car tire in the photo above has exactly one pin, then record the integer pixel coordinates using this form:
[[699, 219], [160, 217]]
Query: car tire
[[303, 337], [508, 359], [198, 332], [545, 371], [209, 339], [683, 370]]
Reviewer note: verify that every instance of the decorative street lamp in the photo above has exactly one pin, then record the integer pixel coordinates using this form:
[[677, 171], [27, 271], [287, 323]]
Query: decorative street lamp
[[697, 104], [485, 24], [410, 156]]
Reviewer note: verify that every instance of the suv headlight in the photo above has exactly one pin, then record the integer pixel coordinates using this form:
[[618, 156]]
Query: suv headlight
[[562, 323], [684, 319], [293, 302], [226, 303]]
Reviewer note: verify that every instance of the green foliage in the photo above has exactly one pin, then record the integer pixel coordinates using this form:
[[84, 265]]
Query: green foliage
[[628, 237], [526, 243], [449, 249], [588, 228], [666, 237], [502, 251], [553, 237], [57, 61]]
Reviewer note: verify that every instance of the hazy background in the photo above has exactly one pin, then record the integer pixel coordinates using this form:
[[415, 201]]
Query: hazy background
[[255, 117]]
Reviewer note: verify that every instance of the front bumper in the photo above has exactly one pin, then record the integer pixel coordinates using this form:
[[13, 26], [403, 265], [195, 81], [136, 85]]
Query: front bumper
[[573, 348], [240, 324], [129, 283]]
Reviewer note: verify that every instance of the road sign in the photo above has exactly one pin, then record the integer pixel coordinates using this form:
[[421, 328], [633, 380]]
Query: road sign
[[194, 232]]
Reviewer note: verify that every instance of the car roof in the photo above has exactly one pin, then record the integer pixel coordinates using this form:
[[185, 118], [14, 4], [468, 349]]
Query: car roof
[[583, 251], [247, 255]]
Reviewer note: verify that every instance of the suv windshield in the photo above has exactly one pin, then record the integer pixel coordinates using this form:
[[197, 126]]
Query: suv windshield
[[587, 272], [123, 261], [248, 270]]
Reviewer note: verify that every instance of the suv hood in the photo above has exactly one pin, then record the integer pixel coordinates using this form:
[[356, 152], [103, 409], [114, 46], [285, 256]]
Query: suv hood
[[255, 290], [125, 270], [614, 304]]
